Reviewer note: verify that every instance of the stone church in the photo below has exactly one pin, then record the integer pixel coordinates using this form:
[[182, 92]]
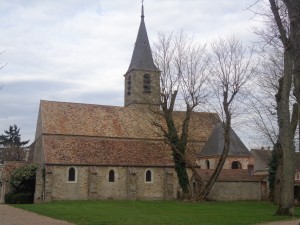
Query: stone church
[[87, 151]]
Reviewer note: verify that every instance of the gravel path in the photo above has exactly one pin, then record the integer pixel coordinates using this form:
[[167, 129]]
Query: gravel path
[[13, 216], [291, 222]]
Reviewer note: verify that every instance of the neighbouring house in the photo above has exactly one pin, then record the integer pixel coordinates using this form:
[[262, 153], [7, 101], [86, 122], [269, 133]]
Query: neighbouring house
[[261, 166], [238, 157], [87, 151], [262, 158], [237, 180]]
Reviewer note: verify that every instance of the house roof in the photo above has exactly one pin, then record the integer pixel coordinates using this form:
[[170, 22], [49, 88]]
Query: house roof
[[215, 143], [9, 167], [142, 56], [111, 135]]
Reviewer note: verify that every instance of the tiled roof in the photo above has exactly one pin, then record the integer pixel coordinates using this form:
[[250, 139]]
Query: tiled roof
[[95, 151], [99, 151], [214, 145], [114, 122], [109, 135], [230, 175]]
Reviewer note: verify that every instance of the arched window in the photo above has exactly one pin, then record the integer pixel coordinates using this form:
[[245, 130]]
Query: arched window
[[111, 176], [236, 165], [148, 176], [72, 174], [207, 164], [147, 83], [129, 85]]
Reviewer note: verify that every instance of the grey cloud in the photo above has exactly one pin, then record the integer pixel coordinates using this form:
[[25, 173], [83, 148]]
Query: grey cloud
[[78, 50]]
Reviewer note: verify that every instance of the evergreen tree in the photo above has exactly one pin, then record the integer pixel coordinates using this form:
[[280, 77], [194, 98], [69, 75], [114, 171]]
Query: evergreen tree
[[13, 149]]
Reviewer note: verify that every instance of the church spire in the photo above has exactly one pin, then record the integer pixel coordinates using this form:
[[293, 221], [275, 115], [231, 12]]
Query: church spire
[[142, 79], [142, 55]]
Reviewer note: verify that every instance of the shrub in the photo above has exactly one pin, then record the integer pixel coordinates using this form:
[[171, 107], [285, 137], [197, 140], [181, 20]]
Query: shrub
[[18, 198], [8, 198], [23, 179], [22, 198], [22, 182]]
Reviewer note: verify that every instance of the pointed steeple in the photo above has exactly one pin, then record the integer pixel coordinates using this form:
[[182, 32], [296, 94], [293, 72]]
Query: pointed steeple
[[142, 55]]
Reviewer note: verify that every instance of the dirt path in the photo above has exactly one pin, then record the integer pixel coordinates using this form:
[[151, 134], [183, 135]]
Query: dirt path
[[13, 216], [291, 222]]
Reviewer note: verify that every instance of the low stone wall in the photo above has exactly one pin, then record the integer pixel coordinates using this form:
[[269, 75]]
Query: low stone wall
[[234, 191]]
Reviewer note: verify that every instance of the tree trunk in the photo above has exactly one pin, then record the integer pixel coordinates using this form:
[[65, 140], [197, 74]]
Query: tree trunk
[[226, 147], [278, 175], [286, 205], [293, 7], [178, 149], [215, 175]]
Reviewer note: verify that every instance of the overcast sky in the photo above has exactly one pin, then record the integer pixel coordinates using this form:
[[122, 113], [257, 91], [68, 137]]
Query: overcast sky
[[79, 50]]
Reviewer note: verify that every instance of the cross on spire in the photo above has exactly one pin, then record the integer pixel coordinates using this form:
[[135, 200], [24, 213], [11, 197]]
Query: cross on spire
[[142, 9]]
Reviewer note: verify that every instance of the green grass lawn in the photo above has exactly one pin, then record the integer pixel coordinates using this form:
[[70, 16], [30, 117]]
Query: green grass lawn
[[158, 212]]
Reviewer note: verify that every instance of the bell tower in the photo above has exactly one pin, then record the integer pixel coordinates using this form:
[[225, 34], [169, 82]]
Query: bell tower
[[142, 79]]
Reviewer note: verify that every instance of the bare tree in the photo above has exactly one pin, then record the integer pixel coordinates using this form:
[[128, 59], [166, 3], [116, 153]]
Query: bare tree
[[286, 14], [184, 71], [263, 104], [231, 68]]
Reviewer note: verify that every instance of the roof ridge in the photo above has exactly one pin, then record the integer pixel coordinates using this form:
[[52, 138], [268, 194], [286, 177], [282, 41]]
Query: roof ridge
[[80, 103]]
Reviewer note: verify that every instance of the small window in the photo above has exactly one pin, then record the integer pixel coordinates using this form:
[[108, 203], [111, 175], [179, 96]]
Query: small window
[[207, 163], [129, 85], [111, 176], [147, 83], [236, 165], [72, 174], [148, 176]]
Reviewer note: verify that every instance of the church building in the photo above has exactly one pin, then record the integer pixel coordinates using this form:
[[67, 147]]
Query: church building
[[88, 151]]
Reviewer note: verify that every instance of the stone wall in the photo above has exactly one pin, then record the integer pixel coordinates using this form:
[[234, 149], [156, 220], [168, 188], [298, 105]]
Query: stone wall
[[234, 191], [137, 94], [93, 183], [39, 158]]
